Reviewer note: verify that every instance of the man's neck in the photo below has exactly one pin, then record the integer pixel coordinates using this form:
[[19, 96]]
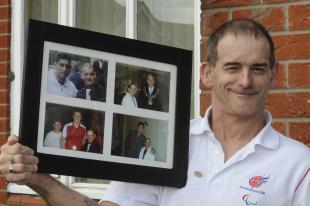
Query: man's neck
[[234, 132]]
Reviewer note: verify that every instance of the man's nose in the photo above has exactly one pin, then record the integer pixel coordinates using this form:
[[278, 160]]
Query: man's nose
[[246, 78]]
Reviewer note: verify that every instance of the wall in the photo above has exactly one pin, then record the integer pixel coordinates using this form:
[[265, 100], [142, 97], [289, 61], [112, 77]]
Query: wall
[[5, 33], [289, 24]]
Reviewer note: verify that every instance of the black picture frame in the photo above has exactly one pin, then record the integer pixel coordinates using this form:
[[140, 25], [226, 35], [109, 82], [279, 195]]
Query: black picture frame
[[126, 62]]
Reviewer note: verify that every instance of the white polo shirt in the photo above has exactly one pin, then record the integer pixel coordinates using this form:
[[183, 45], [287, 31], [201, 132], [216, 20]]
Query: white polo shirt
[[271, 170], [67, 89]]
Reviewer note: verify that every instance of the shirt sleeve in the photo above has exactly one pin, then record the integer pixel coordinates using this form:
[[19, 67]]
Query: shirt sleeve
[[131, 194], [64, 131], [302, 193]]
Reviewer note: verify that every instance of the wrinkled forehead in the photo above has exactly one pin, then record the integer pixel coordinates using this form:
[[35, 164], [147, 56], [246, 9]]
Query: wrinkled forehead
[[245, 47]]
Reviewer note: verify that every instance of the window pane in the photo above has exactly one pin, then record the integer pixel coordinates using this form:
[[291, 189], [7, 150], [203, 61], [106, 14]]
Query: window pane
[[46, 10], [167, 22], [108, 16]]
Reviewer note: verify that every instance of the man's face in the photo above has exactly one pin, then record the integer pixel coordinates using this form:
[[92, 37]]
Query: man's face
[[150, 81], [140, 129], [132, 90], [147, 143], [90, 136], [57, 126], [242, 76], [62, 68], [77, 117], [88, 76]]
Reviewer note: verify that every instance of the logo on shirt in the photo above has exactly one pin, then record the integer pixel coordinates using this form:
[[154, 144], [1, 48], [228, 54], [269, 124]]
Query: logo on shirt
[[257, 181], [246, 199]]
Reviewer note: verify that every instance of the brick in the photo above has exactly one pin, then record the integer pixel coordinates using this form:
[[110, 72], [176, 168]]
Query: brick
[[210, 21], [4, 69], [299, 75], [4, 97], [292, 46], [299, 17], [203, 50], [280, 126], [3, 197], [281, 77], [207, 4], [205, 102], [277, 1], [283, 105], [14, 200], [4, 83], [5, 27], [5, 13], [273, 18], [3, 183], [3, 138], [4, 125], [32, 200], [4, 111], [5, 41], [300, 131], [5, 55], [5, 2]]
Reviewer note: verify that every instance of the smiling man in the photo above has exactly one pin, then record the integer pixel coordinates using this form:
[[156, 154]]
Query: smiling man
[[235, 156], [57, 82]]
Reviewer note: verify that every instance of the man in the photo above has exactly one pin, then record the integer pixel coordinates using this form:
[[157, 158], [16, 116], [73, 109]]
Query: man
[[57, 82], [149, 95], [129, 100], [101, 69], [91, 90], [147, 152], [91, 145], [74, 133], [135, 141], [235, 156], [52, 138]]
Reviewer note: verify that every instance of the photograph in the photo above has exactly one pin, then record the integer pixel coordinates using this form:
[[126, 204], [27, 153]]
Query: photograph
[[140, 138], [76, 76], [115, 108], [72, 128], [140, 87]]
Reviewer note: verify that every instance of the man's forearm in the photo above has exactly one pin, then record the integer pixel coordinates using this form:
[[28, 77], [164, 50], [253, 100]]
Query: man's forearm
[[57, 194]]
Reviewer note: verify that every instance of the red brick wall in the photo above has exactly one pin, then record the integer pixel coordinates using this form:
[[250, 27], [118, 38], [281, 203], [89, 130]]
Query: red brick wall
[[289, 24], [5, 33]]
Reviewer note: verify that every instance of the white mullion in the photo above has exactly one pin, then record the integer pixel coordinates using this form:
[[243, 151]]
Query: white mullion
[[67, 12], [196, 65], [131, 19]]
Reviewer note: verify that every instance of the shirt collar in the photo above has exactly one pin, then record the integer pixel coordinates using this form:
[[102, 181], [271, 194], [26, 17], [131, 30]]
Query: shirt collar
[[267, 137]]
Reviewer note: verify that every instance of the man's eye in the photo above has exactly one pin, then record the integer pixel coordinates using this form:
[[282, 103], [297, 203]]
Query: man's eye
[[231, 68], [259, 70]]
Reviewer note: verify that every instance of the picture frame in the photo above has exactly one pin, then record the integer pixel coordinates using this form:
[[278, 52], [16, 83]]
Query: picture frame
[[101, 106]]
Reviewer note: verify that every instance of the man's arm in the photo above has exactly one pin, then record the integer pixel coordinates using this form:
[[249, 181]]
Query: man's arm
[[25, 165]]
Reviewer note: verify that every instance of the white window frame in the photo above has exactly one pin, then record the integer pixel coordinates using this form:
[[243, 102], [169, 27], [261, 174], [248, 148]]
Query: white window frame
[[67, 16]]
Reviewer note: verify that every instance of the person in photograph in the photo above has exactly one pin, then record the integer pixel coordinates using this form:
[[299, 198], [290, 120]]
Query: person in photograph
[[90, 144], [101, 69], [235, 155], [91, 90], [52, 138], [75, 76], [74, 133], [129, 100], [150, 94], [57, 82], [135, 141], [147, 152]]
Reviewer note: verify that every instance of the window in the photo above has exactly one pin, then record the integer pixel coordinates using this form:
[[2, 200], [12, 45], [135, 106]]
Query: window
[[168, 22]]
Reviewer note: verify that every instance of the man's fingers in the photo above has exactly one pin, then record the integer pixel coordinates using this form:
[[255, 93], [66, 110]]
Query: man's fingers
[[19, 178], [16, 148], [12, 140]]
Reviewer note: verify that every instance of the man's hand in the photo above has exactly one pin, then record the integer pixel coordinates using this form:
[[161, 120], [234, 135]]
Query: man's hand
[[17, 162]]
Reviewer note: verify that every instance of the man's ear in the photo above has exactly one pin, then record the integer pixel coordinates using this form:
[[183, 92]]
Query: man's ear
[[206, 75], [274, 74]]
